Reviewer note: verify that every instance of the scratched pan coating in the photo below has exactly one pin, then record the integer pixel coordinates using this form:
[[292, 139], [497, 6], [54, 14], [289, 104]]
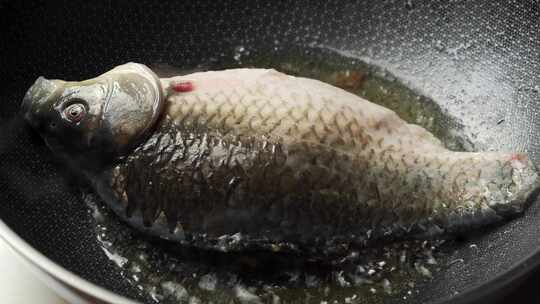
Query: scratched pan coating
[[478, 60]]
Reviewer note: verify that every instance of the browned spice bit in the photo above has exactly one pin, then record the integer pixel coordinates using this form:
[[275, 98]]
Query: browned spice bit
[[349, 80]]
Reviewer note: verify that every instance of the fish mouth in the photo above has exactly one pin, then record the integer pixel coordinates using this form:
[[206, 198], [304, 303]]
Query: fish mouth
[[36, 98]]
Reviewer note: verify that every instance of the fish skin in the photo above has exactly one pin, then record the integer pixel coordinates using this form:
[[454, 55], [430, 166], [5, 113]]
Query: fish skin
[[254, 158]]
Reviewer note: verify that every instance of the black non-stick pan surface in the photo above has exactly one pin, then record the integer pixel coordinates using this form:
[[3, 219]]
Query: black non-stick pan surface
[[479, 60]]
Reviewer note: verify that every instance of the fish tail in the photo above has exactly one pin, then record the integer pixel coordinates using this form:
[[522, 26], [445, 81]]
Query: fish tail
[[486, 188]]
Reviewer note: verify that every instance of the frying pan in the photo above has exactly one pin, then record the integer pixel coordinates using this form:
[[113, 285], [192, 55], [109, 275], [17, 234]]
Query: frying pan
[[479, 60]]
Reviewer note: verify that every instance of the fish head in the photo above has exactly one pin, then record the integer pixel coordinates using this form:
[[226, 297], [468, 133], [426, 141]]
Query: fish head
[[97, 120]]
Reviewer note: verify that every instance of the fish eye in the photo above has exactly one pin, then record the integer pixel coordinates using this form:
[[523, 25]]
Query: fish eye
[[74, 112]]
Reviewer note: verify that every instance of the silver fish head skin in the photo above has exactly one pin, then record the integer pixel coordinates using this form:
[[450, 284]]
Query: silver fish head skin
[[95, 120]]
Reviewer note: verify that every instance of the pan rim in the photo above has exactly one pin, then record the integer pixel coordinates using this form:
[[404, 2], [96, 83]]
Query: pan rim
[[68, 278], [43, 263]]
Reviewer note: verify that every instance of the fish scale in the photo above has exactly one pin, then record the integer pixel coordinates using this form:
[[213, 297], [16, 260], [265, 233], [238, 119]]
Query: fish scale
[[254, 158]]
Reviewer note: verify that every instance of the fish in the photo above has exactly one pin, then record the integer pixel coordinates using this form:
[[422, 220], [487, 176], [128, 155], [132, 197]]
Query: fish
[[244, 159]]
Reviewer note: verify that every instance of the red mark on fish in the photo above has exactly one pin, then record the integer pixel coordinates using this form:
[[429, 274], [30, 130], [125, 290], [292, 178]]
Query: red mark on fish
[[184, 86], [517, 157]]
